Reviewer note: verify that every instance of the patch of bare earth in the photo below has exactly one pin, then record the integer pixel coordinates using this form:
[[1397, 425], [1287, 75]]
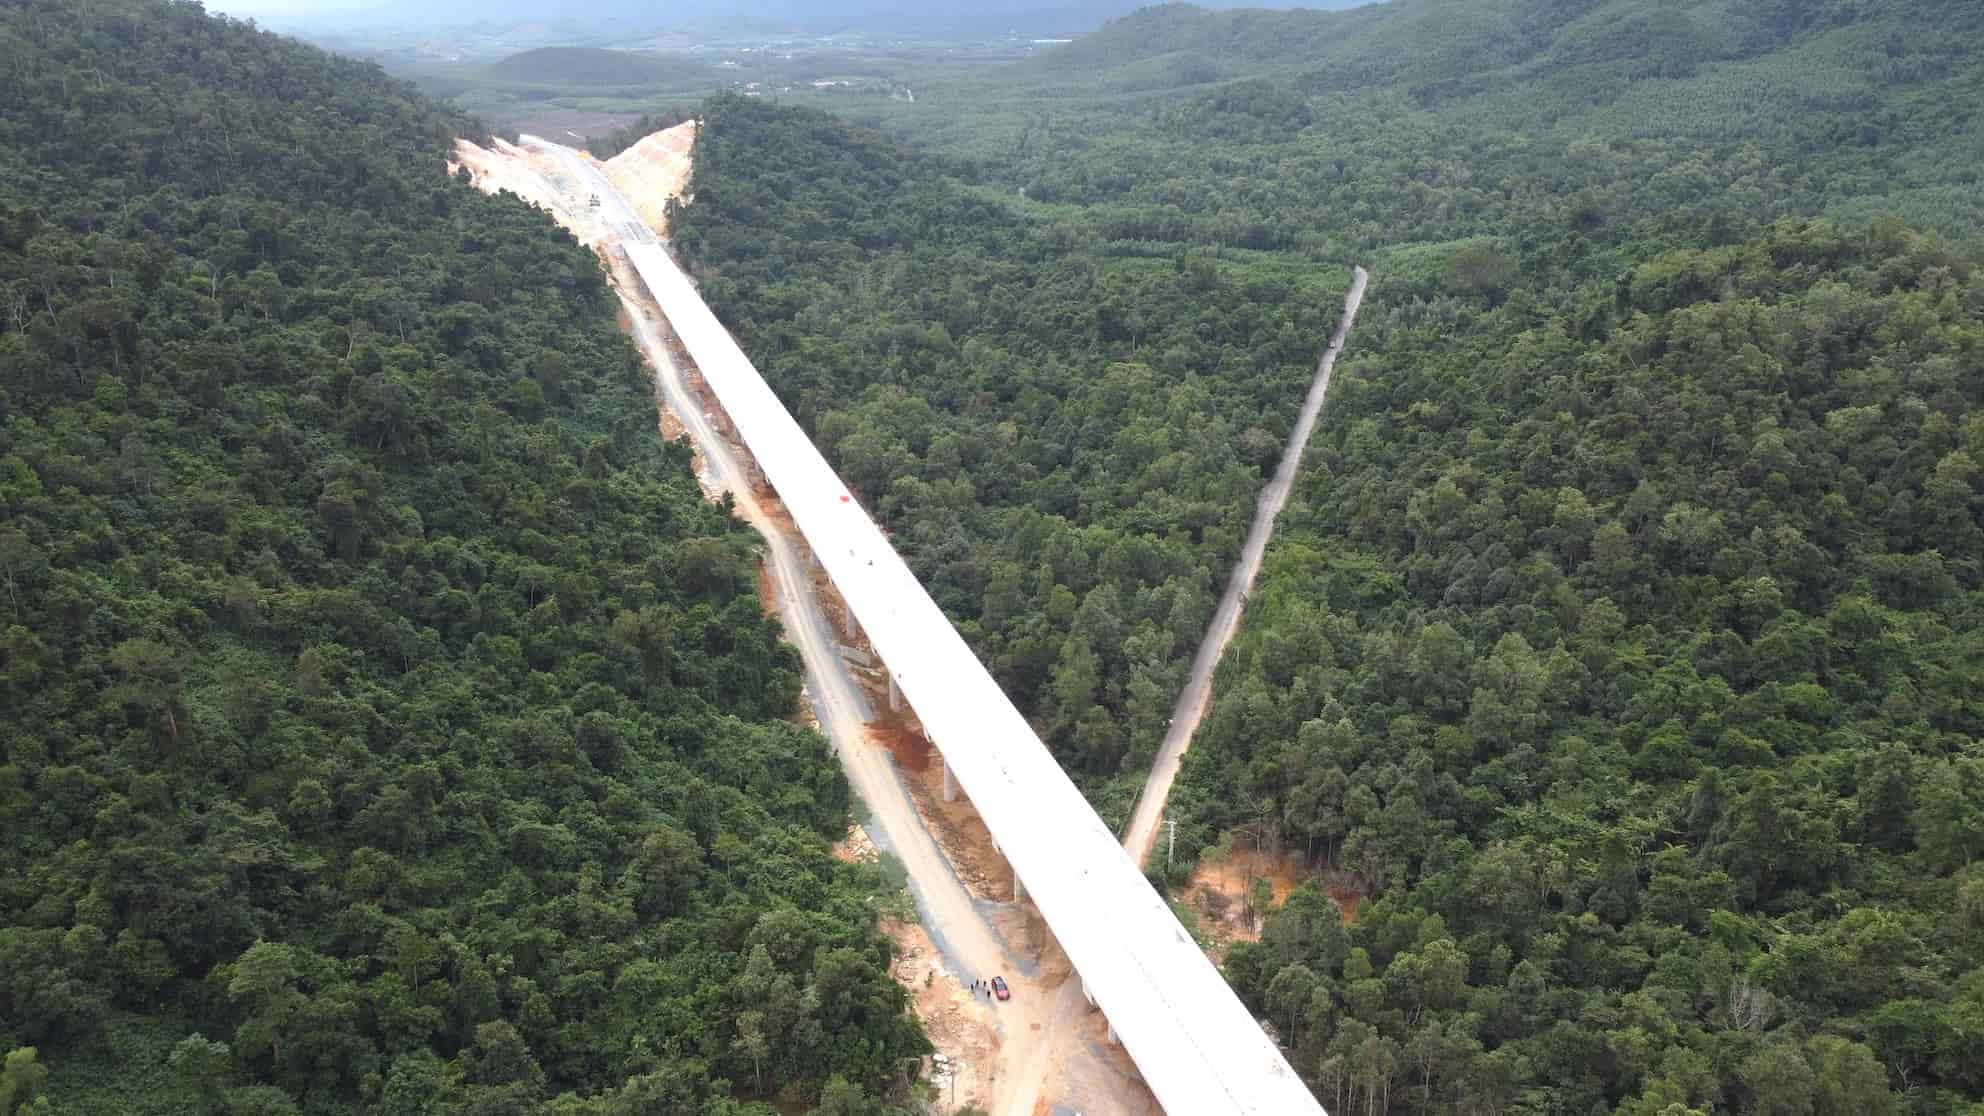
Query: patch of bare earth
[[1220, 889], [855, 848], [654, 171], [960, 1024], [531, 176], [961, 833], [671, 427], [1107, 1080]]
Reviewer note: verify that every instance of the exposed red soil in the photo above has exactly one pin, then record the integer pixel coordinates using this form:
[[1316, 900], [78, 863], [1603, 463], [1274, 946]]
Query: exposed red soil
[[911, 751], [1218, 894]]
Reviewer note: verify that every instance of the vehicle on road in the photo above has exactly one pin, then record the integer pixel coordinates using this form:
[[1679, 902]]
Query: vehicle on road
[[1000, 990]]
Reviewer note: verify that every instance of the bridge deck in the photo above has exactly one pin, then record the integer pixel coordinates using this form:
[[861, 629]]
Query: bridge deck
[[1198, 1048]]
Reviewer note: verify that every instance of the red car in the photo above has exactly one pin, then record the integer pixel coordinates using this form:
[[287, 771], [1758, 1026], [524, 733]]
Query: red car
[[1000, 990]]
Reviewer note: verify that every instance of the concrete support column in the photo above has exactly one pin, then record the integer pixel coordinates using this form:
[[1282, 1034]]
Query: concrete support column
[[1113, 1040], [950, 785], [1087, 995], [895, 698], [1019, 889], [849, 629]]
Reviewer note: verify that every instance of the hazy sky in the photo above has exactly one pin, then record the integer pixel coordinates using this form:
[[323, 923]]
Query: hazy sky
[[267, 9], [660, 12], [471, 12], [246, 8]]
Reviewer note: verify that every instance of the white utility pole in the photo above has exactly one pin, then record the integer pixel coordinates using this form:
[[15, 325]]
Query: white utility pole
[[1171, 846]]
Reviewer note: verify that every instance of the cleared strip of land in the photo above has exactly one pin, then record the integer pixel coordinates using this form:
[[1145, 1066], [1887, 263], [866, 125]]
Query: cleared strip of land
[[1192, 701]]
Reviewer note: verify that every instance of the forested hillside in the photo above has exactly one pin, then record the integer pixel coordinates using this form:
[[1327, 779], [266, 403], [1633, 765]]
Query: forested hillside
[[389, 725], [1620, 643], [1426, 121], [1634, 675]]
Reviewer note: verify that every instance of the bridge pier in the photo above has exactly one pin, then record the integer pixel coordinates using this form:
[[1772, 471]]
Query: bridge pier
[[950, 785], [1109, 1027], [895, 704], [1019, 889]]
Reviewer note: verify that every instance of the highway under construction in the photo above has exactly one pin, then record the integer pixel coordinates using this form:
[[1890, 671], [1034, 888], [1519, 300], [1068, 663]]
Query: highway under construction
[[1197, 1047], [1194, 1046]]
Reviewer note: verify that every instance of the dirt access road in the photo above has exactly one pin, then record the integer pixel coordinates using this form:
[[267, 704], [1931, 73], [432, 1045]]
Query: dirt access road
[[966, 931], [1192, 701], [621, 223], [1037, 1071]]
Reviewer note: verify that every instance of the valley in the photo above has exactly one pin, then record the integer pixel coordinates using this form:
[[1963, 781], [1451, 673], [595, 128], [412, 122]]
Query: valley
[[415, 698]]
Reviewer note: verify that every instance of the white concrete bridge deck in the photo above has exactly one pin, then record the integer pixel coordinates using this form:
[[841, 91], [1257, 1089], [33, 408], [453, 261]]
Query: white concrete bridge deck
[[1197, 1047]]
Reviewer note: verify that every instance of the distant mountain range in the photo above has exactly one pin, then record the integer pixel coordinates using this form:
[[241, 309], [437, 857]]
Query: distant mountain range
[[1026, 17]]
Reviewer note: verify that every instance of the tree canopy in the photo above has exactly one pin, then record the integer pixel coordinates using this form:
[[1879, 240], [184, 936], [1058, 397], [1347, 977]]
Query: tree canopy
[[390, 725], [1636, 659]]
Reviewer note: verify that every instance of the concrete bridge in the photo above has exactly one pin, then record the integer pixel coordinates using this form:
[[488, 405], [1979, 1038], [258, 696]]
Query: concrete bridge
[[1197, 1047]]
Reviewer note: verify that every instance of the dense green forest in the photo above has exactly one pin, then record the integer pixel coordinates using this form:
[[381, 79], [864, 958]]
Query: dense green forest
[[389, 725], [1620, 642], [1632, 668], [1418, 122]]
